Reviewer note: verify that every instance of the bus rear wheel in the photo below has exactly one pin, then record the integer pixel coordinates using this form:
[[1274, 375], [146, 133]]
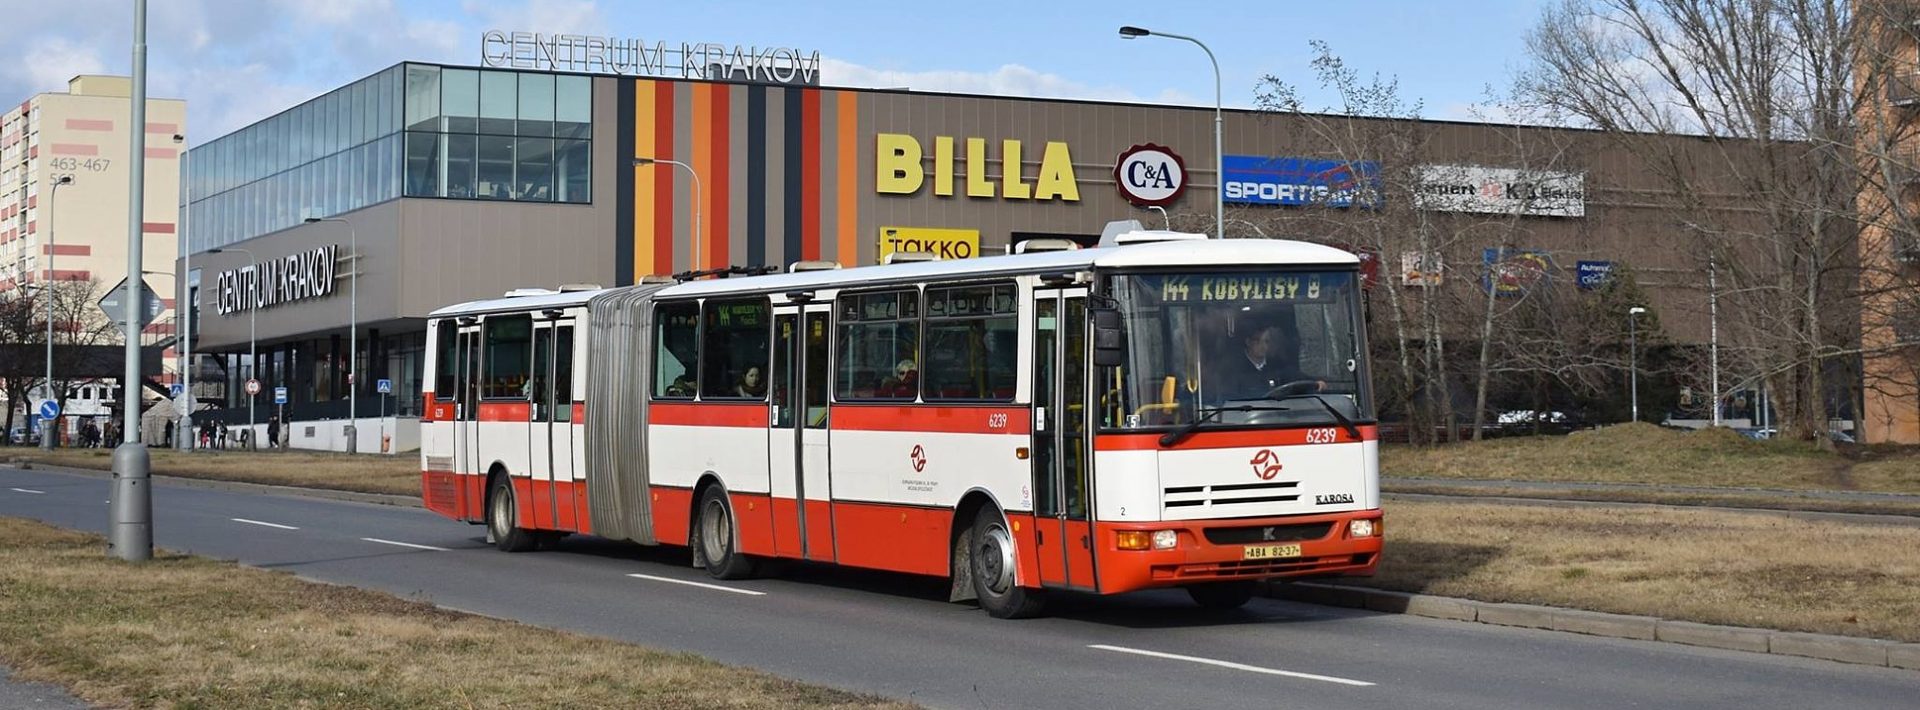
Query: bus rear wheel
[[715, 541], [503, 519], [995, 581], [1222, 595]]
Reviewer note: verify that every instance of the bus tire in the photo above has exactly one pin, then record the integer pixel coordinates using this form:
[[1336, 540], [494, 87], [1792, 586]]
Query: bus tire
[[503, 522], [1222, 596], [714, 539], [995, 562]]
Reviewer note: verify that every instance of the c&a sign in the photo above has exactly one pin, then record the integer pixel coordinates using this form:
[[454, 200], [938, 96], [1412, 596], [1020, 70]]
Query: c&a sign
[[1150, 174]]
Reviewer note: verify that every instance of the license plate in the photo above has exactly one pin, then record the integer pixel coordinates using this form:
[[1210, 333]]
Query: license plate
[[1269, 552]]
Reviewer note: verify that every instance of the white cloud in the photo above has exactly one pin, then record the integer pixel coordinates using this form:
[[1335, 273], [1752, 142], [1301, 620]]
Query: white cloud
[[1008, 80], [543, 16], [49, 62]]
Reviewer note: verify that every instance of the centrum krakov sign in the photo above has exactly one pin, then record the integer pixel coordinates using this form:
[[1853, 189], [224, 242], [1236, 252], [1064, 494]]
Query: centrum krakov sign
[[308, 274], [632, 56]]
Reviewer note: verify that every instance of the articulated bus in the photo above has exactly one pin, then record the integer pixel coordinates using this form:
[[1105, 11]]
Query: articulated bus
[[1163, 410]]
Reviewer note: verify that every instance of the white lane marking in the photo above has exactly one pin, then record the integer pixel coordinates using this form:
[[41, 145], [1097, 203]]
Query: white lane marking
[[404, 544], [1230, 664], [264, 524], [702, 585], [29, 490]]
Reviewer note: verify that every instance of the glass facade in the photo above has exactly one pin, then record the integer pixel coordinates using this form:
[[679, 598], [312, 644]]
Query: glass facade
[[498, 135], [330, 155], [412, 130]]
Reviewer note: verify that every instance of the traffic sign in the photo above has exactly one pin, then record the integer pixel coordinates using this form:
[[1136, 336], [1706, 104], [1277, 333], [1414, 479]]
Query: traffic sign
[[49, 409], [279, 395], [176, 390], [114, 304], [253, 387], [383, 386], [182, 404]]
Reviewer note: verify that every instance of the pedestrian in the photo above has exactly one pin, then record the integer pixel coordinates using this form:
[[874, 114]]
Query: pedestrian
[[273, 432], [223, 438], [168, 441]]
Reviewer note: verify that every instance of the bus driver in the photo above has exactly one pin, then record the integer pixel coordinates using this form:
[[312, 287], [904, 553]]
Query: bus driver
[[1267, 359]]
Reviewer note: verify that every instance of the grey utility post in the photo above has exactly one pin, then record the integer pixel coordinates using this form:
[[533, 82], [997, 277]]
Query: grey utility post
[[132, 497], [1633, 357], [183, 285], [353, 331], [1219, 157], [48, 434]]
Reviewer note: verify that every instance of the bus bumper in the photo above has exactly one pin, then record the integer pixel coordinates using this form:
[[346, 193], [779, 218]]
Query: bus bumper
[[1239, 549]]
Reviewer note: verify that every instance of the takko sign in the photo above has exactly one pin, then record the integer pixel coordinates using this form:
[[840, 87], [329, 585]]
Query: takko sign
[[308, 274], [899, 168]]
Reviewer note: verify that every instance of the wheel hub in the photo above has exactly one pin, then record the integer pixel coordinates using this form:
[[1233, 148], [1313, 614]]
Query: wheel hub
[[994, 560]]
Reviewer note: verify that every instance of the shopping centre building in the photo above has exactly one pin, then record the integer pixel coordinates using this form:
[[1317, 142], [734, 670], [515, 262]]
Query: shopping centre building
[[439, 184]]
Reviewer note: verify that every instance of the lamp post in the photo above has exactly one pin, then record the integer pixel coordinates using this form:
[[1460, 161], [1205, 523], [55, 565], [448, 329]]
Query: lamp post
[[695, 252], [47, 434], [182, 440], [1219, 160], [1633, 364], [253, 344], [353, 331]]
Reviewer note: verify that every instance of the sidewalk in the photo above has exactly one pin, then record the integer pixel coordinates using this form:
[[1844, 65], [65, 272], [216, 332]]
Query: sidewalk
[[21, 694]]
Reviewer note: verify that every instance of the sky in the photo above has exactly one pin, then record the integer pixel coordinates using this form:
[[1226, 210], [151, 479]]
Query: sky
[[238, 61]]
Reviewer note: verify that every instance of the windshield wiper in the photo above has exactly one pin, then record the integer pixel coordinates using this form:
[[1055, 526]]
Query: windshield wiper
[[1346, 423], [1174, 437]]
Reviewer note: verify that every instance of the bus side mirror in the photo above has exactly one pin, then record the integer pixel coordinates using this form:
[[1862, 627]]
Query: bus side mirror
[[1108, 348]]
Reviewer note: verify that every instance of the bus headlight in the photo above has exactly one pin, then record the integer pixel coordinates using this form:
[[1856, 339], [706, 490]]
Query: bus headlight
[[1165, 539], [1362, 527]]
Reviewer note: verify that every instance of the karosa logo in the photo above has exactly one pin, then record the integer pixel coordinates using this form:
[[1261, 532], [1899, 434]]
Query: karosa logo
[[1150, 174]]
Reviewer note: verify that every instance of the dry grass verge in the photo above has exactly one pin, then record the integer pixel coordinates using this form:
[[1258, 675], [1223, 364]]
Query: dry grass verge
[[1732, 498], [1715, 567], [1644, 453], [183, 631], [398, 475]]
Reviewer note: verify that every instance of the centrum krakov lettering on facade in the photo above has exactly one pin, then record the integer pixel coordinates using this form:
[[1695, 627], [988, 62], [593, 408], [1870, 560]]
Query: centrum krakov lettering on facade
[[308, 274], [632, 56]]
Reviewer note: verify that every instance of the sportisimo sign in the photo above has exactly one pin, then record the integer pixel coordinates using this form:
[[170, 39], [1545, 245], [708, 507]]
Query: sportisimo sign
[[1150, 174], [1262, 180], [308, 274], [632, 56]]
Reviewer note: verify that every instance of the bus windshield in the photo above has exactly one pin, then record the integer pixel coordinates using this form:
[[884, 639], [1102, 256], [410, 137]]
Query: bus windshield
[[1237, 349]]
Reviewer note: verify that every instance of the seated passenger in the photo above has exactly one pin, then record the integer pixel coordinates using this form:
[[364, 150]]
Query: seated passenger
[[904, 382], [751, 384]]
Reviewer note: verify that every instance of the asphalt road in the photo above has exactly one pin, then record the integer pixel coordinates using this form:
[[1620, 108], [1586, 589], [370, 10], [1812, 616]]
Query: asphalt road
[[894, 635]]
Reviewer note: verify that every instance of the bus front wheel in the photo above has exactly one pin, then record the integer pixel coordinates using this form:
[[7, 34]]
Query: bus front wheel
[[994, 570]]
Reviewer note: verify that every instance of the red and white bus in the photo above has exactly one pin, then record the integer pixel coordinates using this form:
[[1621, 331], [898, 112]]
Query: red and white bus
[[1163, 411]]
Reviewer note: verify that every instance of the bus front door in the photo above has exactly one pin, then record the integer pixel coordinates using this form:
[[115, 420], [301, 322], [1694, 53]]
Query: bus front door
[[466, 444], [797, 441], [1061, 494]]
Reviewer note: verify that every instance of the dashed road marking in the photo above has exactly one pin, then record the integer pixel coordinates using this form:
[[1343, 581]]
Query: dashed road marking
[[30, 490], [263, 523], [404, 544], [1232, 665], [702, 585]]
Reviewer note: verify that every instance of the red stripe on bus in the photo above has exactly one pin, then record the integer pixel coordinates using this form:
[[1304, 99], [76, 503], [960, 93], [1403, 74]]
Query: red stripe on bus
[[745, 414], [508, 411], [671, 508], [945, 419], [899, 538], [1234, 439]]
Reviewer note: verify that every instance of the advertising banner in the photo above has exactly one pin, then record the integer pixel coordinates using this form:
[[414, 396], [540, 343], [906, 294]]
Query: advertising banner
[[1264, 180], [944, 243], [1593, 274], [1471, 188], [1511, 272], [1417, 269]]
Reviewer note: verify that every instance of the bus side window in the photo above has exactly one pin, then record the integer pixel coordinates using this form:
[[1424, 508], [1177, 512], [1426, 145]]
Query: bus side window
[[509, 341], [563, 374], [879, 346], [676, 350], [733, 354], [445, 366]]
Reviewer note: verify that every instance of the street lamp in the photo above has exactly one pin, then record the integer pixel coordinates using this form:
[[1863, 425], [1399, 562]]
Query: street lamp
[[182, 440], [1633, 356], [353, 331], [1219, 160], [253, 343], [47, 435], [641, 160]]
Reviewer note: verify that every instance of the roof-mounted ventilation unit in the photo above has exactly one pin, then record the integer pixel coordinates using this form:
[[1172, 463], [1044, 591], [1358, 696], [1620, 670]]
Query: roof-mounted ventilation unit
[[658, 279], [522, 292], [1148, 236], [1033, 246], [570, 288], [903, 257], [818, 265]]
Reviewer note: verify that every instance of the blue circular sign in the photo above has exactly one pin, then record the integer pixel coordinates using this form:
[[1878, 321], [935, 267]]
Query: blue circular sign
[[49, 409]]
